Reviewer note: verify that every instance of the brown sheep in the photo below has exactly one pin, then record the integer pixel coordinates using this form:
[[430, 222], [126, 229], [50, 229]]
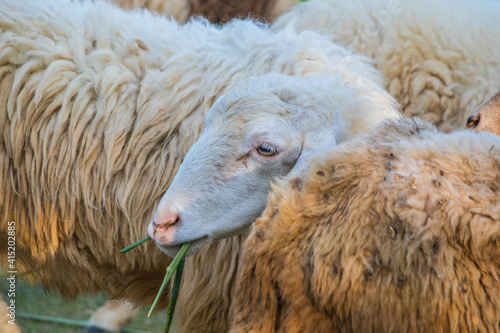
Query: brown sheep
[[486, 117], [395, 232], [220, 11], [217, 11]]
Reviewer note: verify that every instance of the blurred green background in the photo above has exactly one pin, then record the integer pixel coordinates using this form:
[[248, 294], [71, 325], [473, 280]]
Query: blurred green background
[[33, 299]]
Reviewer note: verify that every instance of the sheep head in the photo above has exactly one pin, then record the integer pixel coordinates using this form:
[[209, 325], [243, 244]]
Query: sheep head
[[486, 117], [266, 127]]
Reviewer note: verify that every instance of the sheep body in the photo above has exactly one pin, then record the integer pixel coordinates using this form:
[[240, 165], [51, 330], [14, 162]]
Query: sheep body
[[397, 231], [440, 59], [98, 108], [224, 10]]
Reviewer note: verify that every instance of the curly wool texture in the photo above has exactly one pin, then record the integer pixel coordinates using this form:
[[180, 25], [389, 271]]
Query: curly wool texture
[[440, 59], [398, 231], [98, 108], [216, 11]]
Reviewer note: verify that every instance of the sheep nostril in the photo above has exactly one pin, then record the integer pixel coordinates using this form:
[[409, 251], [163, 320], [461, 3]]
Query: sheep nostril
[[166, 223], [473, 121]]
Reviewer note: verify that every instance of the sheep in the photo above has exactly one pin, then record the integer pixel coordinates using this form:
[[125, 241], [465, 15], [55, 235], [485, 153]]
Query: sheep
[[260, 130], [397, 231], [217, 11], [98, 108], [486, 117], [439, 59], [111, 316]]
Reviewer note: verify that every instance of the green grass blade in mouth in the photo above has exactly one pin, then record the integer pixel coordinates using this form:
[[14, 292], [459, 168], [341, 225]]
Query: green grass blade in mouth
[[136, 244], [174, 294], [170, 271]]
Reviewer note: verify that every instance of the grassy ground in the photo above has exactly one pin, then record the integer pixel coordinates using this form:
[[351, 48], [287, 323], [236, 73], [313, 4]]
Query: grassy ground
[[34, 300]]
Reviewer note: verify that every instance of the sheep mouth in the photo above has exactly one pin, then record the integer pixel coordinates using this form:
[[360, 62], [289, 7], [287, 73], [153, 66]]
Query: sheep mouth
[[196, 244]]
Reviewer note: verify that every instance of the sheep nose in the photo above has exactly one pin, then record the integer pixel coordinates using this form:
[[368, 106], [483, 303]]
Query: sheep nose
[[165, 221], [473, 121]]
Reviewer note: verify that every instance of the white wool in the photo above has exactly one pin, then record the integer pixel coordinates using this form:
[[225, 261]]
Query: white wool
[[440, 59], [98, 107], [131, 69]]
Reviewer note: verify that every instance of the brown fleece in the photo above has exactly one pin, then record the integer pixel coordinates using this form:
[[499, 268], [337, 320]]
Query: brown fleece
[[217, 11], [395, 232], [220, 11]]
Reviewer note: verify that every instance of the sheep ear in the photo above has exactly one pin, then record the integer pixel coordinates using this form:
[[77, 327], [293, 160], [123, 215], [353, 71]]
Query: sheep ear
[[315, 144]]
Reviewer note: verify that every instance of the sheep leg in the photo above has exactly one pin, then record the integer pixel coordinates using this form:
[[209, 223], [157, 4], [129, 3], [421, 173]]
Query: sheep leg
[[111, 317]]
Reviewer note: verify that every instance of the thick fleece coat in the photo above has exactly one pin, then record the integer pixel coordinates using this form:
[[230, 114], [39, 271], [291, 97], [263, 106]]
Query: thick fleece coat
[[396, 232], [98, 107], [440, 59]]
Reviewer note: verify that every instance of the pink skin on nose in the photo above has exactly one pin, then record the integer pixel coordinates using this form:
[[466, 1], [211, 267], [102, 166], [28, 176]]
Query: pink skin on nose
[[162, 228]]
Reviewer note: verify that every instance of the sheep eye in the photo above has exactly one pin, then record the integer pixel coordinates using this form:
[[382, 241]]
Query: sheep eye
[[267, 150]]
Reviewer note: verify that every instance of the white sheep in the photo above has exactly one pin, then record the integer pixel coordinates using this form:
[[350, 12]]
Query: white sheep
[[397, 231], [440, 59], [99, 107], [258, 131]]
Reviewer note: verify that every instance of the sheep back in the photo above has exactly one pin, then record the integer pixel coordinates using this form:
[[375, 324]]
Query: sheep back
[[396, 232], [436, 58]]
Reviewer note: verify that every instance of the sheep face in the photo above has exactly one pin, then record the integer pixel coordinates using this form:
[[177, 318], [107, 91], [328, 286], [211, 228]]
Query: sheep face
[[224, 180], [261, 130], [486, 117]]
